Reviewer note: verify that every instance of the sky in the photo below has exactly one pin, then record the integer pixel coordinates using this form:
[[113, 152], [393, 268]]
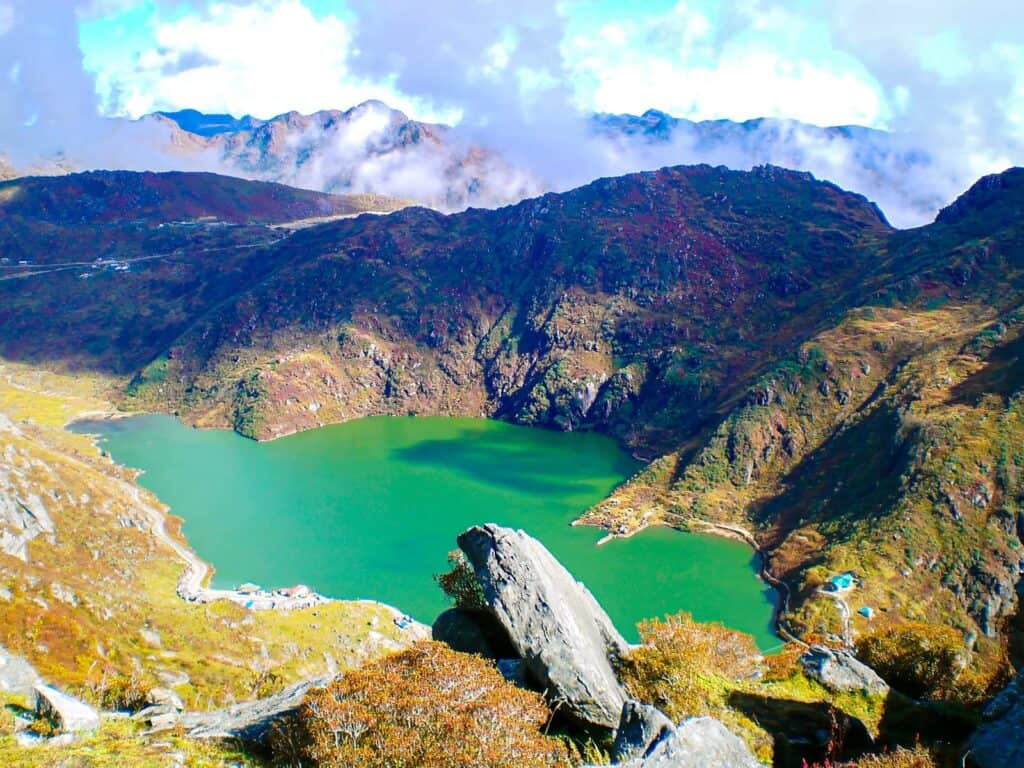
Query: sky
[[944, 77]]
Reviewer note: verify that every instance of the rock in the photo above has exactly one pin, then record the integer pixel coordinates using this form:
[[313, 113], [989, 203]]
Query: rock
[[165, 698], [640, 726], [471, 632], [514, 671], [566, 640], [250, 721], [67, 713], [999, 741], [839, 670], [17, 676], [699, 742]]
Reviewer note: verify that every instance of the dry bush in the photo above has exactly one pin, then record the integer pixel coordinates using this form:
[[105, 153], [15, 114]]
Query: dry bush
[[428, 707], [919, 757], [461, 583], [685, 668], [916, 658]]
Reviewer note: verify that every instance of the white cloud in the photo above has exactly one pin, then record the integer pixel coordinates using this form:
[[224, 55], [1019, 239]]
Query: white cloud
[[262, 58]]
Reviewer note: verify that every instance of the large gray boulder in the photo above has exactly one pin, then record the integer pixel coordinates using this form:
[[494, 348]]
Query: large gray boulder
[[251, 721], [839, 670], [566, 640], [68, 714], [999, 741], [699, 742], [641, 726]]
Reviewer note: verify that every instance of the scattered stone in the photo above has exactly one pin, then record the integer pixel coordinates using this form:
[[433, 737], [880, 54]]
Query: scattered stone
[[566, 640], [839, 670], [68, 714], [999, 741], [151, 637], [250, 721], [640, 727], [164, 697]]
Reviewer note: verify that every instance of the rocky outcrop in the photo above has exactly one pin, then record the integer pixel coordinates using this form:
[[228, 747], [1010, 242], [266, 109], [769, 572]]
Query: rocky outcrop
[[21, 520], [699, 742], [839, 670], [640, 728], [999, 742], [68, 714], [251, 721], [471, 632], [566, 640]]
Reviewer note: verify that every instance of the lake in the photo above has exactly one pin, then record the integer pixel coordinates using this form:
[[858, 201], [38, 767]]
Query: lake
[[370, 509]]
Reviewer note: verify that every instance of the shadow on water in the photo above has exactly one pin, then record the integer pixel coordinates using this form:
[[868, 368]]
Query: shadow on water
[[493, 459]]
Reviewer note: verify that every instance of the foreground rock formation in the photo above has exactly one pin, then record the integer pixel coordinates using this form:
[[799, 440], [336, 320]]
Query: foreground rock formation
[[999, 742], [698, 742], [250, 721], [566, 640]]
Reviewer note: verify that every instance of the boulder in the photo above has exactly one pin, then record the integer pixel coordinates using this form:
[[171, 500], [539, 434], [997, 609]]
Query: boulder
[[17, 676], [839, 670], [251, 721], [68, 714], [640, 727], [471, 632], [699, 742], [566, 640], [999, 741]]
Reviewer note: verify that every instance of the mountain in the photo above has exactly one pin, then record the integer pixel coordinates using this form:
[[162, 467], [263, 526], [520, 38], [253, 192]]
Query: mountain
[[372, 148], [368, 148], [791, 366]]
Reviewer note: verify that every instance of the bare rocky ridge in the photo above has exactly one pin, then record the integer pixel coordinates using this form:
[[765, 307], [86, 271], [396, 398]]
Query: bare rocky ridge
[[565, 638]]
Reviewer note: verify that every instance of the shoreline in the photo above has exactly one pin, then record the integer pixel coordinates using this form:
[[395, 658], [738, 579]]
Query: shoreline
[[736, 533], [192, 585]]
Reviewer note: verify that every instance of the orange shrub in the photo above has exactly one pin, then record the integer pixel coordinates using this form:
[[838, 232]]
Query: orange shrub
[[683, 666], [426, 707]]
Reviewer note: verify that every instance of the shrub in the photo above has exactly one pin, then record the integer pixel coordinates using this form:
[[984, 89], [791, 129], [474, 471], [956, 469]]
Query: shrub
[[461, 584], [685, 668], [917, 658], [428, 707]]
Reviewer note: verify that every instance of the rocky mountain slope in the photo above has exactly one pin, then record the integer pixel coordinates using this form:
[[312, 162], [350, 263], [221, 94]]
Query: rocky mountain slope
[[794, 369]]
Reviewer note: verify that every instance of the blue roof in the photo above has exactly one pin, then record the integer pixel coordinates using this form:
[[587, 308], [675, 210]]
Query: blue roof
[[843, 580]]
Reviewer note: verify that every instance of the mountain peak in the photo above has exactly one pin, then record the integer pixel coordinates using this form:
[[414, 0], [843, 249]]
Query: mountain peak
[[1006, 188]]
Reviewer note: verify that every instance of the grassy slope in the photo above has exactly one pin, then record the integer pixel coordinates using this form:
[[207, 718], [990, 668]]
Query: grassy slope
[[79, 604]]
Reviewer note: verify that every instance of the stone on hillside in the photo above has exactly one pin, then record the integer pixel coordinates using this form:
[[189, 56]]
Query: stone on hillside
[[999, 741], [17, 676], [250, 721], [67, 713], [699, 742], [640, 726], [839, 670], [164, 698], [566, 640]]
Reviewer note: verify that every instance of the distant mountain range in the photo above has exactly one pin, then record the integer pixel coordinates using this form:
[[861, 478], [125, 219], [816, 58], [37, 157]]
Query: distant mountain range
[[374, 148]]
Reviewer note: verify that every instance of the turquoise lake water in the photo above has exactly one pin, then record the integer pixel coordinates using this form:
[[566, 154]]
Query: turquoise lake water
[[370, 508]]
